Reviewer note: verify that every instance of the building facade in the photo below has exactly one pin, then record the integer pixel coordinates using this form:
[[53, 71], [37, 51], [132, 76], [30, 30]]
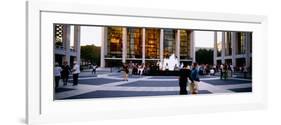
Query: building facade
[[67, 43], [145, 45], [233, 48]]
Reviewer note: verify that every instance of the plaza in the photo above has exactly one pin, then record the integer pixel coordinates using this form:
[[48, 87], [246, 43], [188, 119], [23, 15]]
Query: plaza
[[152, 47], [108, 84]]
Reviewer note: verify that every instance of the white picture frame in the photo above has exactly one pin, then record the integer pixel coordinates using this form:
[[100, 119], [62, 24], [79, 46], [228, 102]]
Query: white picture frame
[[41, 108]]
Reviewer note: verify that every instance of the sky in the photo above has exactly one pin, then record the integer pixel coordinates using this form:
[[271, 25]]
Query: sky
[[93, 35]]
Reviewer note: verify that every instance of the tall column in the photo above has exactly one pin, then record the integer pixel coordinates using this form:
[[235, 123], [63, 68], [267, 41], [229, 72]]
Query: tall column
[[103, 47], [66, 43], [161, 45], [178, 44], [143, 45], [215, 48], [77, 43], [192, 42], [248, 62], [234, 48], [124, 45], [223, 48]]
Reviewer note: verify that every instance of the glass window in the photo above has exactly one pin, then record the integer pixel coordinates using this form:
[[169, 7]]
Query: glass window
[[228, 47], [185, 44], [134, 43], [152, 43], [241, 43], [114, 42], [58, 35], [169, 42], [250, 42]]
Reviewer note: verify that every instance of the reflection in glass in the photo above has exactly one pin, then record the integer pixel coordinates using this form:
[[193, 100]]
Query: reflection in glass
[[241, 43], [58, 35], [152, 43], [114, 42], [185, 44], [169, 42], [228, 48], [134, 42]]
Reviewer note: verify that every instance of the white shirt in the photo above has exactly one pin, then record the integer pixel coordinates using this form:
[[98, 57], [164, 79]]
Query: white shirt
[[57, 71], [76, 69]]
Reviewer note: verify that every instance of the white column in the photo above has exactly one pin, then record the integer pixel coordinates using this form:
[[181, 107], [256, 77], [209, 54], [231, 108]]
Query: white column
[[215, 48], [143, 45], [223, 48], [124, 45], [192, 41], [77, 43], [66, 43], [178, 44], [234, 47], [103, 47], [161, 45], [247, 59]]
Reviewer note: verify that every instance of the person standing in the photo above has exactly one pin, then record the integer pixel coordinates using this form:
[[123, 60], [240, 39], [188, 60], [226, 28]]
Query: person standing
[[221, 71], [225, 71], [65, 72], [57, 73], [245, 71], [130, 68], [184, 74], [231, 69], [75, 72], [195, 77]]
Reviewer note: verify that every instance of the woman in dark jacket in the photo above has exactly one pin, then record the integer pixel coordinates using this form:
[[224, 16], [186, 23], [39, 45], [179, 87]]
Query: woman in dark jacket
[[65, 72], [184, 74]]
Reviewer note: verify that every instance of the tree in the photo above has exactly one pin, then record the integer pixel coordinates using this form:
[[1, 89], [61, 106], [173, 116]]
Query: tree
[[204, 56], [90, 54]]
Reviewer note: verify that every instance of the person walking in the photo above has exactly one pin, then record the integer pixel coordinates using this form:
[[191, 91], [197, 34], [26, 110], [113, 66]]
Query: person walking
[[184, 75], [75, 73], [94, 66], [141, 69], [65, 72], [126, 71], [57, 73], [193, 87]]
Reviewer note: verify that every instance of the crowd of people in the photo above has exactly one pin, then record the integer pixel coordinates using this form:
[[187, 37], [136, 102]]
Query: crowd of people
[[133, 69], [224, 70], [63, 72]]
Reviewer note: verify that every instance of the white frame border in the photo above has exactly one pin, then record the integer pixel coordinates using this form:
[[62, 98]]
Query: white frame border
[[33, 26]]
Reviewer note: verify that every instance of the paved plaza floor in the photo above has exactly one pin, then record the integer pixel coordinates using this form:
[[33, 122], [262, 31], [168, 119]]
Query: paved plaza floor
[[111, 84]]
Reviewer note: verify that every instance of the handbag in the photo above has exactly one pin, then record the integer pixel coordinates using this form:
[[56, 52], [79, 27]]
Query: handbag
[[193, 88]]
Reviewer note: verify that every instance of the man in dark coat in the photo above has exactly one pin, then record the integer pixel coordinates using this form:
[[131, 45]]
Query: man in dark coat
[[184, 74]]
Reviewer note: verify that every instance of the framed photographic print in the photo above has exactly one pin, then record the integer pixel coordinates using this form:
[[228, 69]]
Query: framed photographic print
[[90, 62]]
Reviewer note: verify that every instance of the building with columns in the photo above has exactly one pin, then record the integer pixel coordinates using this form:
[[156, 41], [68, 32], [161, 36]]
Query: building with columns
[[145, 45], [67, 43], [233, 48]]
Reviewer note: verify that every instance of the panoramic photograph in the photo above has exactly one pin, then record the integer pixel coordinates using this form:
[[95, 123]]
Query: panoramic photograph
[[116, 61]]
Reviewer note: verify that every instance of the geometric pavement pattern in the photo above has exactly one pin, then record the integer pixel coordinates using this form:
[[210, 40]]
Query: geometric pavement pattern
[[112, 85]]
